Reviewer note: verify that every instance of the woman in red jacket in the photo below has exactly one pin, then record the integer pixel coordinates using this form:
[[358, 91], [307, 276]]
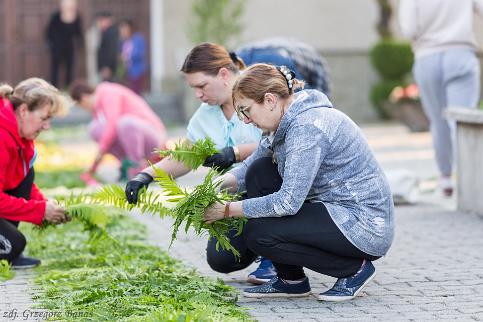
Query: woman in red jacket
[[24, 112]]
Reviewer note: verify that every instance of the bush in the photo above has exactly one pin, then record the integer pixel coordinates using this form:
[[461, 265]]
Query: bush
[[393, 60]]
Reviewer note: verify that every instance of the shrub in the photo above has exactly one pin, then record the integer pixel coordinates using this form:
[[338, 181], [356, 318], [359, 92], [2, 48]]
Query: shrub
[[392, 59]]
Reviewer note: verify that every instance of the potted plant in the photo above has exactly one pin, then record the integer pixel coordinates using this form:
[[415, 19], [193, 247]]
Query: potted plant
[[404, 105]]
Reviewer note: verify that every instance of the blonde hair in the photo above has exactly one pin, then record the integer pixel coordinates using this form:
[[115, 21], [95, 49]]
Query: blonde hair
[[35, 93], [209, 58], [260, 79]]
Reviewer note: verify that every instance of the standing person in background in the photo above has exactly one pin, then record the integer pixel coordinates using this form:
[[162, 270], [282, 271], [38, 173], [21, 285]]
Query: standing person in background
[[133, 55], [63, 30], [123, 125], [446, 68], [108, 50], [24, 112], [301, 58]]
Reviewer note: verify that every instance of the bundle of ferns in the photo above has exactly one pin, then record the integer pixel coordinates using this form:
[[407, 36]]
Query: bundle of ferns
[[82, 208], [189, 206], [193, 155]]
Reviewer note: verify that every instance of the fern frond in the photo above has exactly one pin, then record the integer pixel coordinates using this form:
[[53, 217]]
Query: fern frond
[[192, 155], [170, 187], [148, 201], [94, 218], [190, 212]]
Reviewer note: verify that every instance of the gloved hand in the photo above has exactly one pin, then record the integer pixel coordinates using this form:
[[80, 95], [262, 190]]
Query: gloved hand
[[223, 159], [139, 181]]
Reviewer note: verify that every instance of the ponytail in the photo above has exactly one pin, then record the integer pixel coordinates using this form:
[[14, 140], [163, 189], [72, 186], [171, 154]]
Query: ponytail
[[237, 60]]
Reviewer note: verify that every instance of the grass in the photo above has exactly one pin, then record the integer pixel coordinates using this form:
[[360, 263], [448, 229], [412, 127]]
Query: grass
[[6, 273], [52, 179], [127, 280]]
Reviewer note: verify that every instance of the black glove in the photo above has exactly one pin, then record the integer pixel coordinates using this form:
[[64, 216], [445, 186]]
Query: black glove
[[223, 159], [139, 181]]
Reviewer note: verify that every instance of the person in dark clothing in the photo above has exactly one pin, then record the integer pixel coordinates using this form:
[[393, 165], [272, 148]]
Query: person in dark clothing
[[63, 31], [300, 57], [108, 50]]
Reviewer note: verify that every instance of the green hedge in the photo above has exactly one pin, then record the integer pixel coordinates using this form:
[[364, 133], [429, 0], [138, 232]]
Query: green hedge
[[393, 60]]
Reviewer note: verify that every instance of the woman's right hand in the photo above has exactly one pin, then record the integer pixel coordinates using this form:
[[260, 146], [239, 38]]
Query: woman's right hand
[[54, 213], [133, 186]]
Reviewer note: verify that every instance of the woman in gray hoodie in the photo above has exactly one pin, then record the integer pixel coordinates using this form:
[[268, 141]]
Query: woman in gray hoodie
[[317, 197]]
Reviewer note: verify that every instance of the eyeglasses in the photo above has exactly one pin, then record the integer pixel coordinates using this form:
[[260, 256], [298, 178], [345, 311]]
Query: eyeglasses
[[243, 112]]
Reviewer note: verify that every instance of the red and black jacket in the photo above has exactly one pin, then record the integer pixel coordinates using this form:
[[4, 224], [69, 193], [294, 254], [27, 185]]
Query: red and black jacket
[[16, 159]]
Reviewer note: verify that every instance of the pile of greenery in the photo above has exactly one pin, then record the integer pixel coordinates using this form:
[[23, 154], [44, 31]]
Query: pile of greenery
[[84, 280], [6, 272]]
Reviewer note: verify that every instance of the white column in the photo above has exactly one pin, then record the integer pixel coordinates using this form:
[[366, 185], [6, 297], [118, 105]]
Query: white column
[[157, 44]]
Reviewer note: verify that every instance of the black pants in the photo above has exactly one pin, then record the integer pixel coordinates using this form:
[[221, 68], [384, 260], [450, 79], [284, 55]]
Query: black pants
[[60, 57], [12, 241], [308, 239], [262, 179]]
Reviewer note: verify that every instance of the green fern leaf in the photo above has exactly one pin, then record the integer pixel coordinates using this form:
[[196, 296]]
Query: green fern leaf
[[192, 155]]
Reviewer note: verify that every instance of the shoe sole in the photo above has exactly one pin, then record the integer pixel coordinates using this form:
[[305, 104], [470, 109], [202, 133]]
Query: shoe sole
[[257, 281], [345, 298], [25, 266], [279, 295]]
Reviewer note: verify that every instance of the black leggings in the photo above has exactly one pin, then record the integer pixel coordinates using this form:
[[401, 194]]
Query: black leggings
[[257, 186], [307, 239], [12, 241]]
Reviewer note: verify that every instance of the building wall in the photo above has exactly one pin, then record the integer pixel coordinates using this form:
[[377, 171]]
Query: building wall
[[343, 25], [343, 31]]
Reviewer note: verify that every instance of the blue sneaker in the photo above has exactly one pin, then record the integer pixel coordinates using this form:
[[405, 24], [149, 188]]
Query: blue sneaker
[[264, 273], [277, 287], [23, 262], [348, 287]]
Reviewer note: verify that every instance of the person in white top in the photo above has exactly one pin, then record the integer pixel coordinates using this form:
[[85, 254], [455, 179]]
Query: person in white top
[[446, 68]]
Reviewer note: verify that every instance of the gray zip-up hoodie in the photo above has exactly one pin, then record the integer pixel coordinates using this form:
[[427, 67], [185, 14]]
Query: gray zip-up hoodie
[[323, 156]]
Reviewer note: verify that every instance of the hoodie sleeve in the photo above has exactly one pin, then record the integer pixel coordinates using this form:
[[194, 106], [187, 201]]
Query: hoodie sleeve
[[18, 209], [36, 194], [407, 18], [306, 149]]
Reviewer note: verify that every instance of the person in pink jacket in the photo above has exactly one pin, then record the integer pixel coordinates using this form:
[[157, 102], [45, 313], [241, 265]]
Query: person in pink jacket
[[123, 124]]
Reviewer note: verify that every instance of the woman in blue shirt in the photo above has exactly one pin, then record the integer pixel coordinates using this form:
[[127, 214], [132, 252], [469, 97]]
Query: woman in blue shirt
[[211, 71]]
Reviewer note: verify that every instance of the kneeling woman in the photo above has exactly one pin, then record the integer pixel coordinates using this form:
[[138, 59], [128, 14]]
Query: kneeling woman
[[327, 204]]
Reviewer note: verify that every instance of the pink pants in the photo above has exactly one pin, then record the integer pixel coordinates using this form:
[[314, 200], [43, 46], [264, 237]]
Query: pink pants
[[135, 140]]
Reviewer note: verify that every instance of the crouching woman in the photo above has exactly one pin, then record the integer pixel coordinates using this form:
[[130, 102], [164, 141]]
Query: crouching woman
[[24, 112], [317, 198]]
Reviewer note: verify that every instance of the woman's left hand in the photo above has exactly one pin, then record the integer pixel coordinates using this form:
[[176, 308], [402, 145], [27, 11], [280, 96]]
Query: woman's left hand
[[214, 213]]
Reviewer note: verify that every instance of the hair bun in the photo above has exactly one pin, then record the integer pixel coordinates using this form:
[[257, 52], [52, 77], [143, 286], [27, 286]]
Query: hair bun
[[234, 57]]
